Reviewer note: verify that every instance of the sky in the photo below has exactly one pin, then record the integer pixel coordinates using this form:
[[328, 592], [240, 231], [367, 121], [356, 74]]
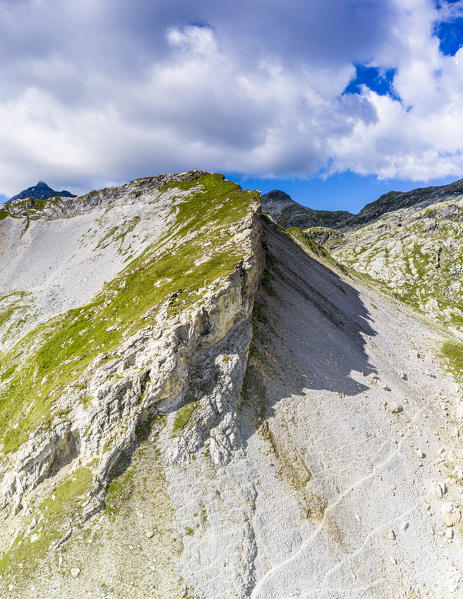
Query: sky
[[335, 102]]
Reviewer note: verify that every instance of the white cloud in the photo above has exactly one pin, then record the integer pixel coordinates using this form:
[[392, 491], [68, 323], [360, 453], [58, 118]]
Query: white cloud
[[95, 93]]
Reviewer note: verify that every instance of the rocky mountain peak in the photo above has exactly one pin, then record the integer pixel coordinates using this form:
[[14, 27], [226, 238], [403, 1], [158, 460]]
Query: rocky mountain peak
[[288, 213], [41, 191]]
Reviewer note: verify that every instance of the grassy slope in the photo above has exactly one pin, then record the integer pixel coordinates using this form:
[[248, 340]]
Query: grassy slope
[[51, 357]]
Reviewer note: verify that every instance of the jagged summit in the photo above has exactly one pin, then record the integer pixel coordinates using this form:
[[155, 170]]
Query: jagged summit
[[395, 200], [41, 191], [289, 213]]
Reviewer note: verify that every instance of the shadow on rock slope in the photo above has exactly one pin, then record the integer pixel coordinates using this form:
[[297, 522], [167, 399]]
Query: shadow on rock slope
[[309, 328]]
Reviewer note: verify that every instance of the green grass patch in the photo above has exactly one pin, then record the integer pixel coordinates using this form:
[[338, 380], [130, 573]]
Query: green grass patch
[[86, 400], [183, 416], [454, 354]]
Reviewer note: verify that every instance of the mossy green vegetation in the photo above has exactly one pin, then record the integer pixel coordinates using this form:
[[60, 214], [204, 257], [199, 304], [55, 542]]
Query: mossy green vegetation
[[175, 271], [183, 415], [86, 400], [453, 352], [52, 519]]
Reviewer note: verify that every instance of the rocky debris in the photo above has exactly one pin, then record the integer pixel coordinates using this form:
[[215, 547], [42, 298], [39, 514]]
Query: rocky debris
[[450, 514], [439, 490], [373, 378], [395, 407]]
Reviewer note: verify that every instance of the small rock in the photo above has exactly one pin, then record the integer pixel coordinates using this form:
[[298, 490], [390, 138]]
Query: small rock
[[391, 534], [439, 490], [75, 572], [395, 408], [403, 376], [449, 533], [60, 560], [150, 534], [386, 388], [420, 454], [450, 514], [405, 525], [393, 560]]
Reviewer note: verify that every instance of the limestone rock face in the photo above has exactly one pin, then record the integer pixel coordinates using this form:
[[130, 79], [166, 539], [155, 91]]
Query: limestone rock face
[[194, 403], [416, 254]]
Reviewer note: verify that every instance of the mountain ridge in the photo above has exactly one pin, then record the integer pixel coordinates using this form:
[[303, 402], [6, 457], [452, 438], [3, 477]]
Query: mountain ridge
[[289, 213], [195, 402]]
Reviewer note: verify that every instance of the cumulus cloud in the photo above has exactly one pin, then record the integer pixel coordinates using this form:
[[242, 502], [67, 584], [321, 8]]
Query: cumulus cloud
[[94, 93]]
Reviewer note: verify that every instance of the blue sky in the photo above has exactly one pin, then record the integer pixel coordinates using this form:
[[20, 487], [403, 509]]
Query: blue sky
[[335, 102]]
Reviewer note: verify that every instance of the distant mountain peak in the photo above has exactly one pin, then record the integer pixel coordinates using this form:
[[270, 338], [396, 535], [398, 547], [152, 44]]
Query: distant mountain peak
[[41, 191]]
